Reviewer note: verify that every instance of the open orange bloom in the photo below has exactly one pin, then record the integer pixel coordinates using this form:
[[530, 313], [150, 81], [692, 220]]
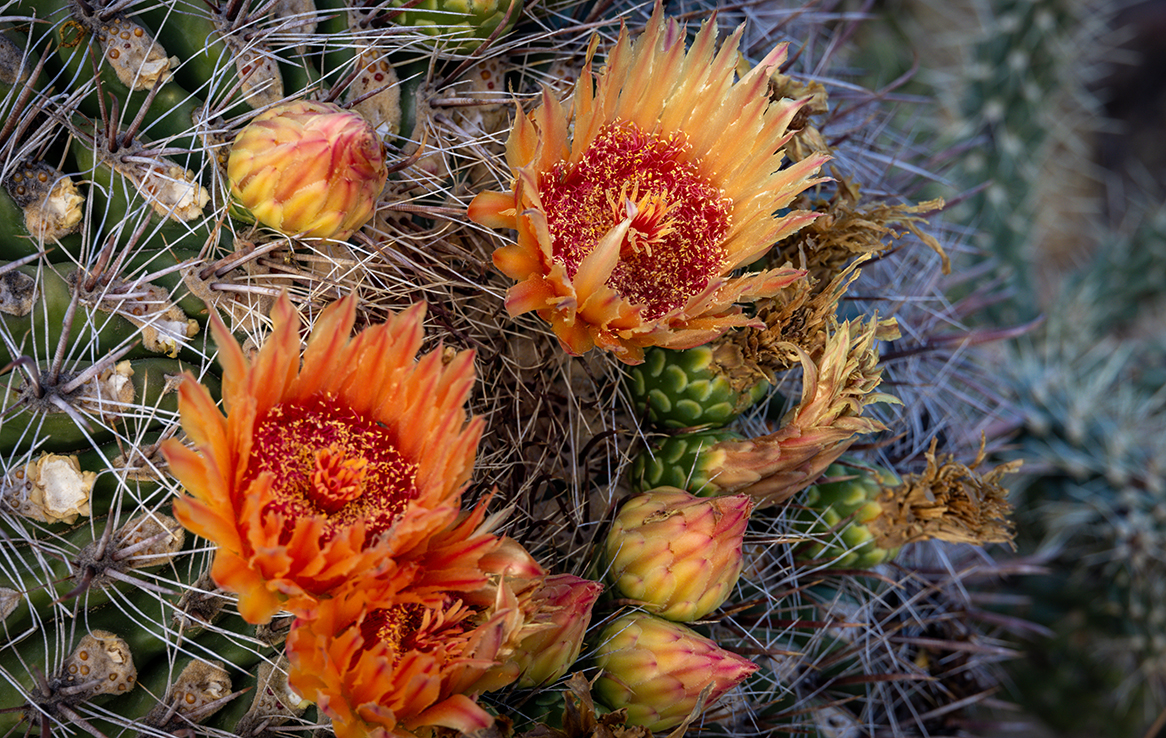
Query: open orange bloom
[[400, 667], [634, 202], [346, 471]]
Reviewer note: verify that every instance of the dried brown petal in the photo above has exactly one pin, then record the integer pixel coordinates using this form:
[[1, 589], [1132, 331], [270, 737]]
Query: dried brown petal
[[950, 501], [835, 390], [849, 227]]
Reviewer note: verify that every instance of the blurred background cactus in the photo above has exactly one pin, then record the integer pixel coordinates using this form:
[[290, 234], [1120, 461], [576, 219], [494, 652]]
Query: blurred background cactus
[[124, 235], [1055, 103]]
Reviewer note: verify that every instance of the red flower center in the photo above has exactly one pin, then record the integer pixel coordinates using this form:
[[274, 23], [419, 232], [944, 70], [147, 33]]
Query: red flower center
[[673, 247], [328, 461]]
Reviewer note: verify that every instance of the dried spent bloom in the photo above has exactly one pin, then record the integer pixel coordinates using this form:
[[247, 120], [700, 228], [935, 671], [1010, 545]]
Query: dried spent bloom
[[346, 471], [837, 385], [677, 554], [53, 206], [51, 489], [635, 202], [657, 669], [310, 169], [396, 667], [949, 501]]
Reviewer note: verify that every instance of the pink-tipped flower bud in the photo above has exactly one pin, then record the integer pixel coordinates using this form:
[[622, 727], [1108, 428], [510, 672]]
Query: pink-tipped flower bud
[[678, 554], [308, 168], [657, 670], [563, 603]]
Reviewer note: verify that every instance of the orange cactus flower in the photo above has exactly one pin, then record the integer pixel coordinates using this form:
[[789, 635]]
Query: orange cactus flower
[[634, 203], [346, 471], [400, 667]]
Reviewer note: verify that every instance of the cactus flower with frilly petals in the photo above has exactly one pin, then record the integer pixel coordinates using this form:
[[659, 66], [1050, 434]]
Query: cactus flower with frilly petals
[[308, 168], [635, 202], [678, 554], [563, 603], [657, 669]]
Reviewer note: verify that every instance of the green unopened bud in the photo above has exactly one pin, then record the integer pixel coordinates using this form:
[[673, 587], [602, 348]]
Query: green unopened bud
[[457, 25], [677, 554], [863, 517], [564, 603], [837, 513], [310, 169], [704, 386], [689, 461], [657, 669]]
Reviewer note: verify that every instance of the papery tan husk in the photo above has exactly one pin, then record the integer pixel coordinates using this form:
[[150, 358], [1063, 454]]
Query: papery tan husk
[[949, 501], [849, 227], [835, 390]]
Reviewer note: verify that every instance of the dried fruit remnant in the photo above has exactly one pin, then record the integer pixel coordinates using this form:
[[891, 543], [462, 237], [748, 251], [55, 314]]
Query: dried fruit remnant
[[193, 697], [51, 489], [101, 664], [139, 61], [52, 205]]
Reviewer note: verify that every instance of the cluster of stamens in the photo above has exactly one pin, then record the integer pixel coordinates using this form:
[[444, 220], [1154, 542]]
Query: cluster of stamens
[[679, 219]]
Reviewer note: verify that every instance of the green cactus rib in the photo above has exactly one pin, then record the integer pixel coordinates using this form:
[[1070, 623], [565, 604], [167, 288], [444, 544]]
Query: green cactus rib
[[1018, 71], [40, 330], [154, 383], [168, 111], [140, 618], [70, 575]]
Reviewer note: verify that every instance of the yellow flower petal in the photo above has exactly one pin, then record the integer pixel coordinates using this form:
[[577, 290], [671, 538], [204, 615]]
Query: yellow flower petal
[[635, 202]]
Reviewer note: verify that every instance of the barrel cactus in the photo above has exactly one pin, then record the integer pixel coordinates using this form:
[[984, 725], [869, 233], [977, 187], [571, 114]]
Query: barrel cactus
[[180, 261]]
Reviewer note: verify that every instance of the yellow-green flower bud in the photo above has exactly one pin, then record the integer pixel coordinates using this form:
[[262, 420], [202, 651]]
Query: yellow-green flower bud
[[657, 670], [678, 554], [564, 603], [309, 169]]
